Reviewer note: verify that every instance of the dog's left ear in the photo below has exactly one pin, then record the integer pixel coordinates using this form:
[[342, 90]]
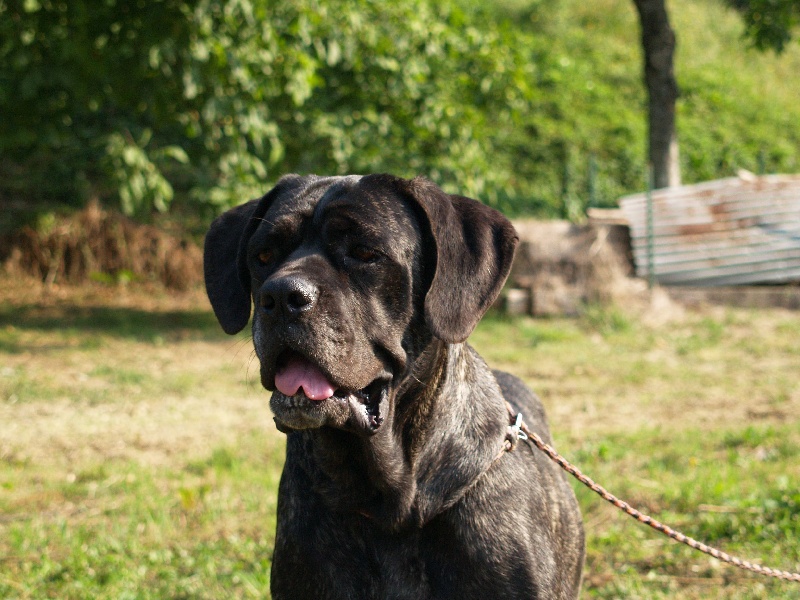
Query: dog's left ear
[[474, 249]]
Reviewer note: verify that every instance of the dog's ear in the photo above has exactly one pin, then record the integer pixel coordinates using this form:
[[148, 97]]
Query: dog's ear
[[229, 298], [474, 249], [227, 277]]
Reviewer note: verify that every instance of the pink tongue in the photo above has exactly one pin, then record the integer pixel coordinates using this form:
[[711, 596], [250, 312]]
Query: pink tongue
[[300, 373]]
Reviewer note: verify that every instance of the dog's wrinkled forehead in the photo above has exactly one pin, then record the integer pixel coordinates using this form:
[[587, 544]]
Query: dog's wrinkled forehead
[[376, 210], [302, 203]]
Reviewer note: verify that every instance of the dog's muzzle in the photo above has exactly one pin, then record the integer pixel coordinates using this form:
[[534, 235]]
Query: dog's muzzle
[[305, 399]]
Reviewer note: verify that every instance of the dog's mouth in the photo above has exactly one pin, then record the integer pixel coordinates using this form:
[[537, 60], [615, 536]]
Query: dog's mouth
[[306, 398]]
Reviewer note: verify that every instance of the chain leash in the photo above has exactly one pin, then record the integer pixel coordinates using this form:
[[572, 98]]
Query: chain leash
[[519, 431]]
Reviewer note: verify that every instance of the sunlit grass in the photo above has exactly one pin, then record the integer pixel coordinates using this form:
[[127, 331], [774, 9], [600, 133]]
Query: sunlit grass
[[159, 473]]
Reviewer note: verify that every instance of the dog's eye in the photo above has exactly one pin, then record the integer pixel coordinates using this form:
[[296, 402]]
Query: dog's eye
[[363, 254], [265, 257]]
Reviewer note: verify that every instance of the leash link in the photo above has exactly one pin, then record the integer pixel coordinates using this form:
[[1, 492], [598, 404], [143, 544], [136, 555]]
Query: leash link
[[516, 428], [514, 434]]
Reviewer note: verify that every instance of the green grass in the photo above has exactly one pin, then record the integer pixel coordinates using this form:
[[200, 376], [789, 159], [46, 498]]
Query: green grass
[[696, 422], [743, 500], [121, 530], [138, 458]]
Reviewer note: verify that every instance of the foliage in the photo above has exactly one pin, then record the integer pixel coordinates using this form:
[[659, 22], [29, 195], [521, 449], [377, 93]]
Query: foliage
[[140, 183], [737, 108], [723, 127], [407, 87], [204, 104], [75, 73], [252, 89], [769, 23]]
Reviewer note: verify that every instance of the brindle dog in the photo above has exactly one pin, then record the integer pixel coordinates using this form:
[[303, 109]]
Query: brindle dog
[[365, 290]]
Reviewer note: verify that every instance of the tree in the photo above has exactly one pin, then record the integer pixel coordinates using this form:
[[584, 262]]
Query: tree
[[769, 23], [208, 102], [658, 42], [74, 73]]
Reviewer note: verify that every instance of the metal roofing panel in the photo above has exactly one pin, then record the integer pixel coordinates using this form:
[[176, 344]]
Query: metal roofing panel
[[738, 231]]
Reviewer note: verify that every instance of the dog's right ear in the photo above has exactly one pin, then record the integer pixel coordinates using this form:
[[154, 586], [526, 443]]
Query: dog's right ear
[[224, 260], [229, 299]]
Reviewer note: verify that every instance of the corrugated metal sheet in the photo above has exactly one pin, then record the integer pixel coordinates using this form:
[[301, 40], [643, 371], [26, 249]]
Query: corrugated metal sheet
[[739, 231]]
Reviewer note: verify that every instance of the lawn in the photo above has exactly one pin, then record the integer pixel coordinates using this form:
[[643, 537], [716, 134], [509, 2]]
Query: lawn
[[138, 458]]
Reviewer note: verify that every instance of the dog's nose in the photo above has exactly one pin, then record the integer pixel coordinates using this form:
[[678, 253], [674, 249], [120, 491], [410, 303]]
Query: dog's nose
[[290, 295]]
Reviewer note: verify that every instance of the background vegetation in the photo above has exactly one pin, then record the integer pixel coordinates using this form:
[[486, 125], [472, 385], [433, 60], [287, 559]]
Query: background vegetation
[[200, 104]]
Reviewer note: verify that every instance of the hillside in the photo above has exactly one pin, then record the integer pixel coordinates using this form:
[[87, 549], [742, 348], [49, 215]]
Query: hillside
[[738, 106]]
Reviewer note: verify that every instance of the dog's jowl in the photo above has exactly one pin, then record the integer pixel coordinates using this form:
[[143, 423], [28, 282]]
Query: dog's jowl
[[363, 291]]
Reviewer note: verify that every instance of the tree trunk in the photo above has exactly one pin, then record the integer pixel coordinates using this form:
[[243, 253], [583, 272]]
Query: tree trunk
[[658, 42]]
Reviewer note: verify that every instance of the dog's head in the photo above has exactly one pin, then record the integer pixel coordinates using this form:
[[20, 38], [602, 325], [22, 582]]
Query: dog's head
[[350, 278]]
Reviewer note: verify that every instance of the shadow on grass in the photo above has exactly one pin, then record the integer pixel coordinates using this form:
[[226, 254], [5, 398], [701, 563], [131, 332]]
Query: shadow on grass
[[129, 323]]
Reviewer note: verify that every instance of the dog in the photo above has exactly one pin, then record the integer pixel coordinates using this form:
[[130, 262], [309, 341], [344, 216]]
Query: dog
[[363, 291]]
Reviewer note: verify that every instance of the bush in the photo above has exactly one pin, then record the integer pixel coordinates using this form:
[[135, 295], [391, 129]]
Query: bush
[[534, 106]]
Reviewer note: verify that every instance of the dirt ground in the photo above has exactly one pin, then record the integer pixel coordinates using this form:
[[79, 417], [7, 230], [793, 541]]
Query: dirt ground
[[153, 430]]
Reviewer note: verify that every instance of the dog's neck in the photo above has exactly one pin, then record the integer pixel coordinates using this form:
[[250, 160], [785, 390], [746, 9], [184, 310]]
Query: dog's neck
[[403, 475]]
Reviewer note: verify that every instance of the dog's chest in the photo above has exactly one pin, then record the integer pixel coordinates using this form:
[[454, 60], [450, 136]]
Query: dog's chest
[[329, 559]]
